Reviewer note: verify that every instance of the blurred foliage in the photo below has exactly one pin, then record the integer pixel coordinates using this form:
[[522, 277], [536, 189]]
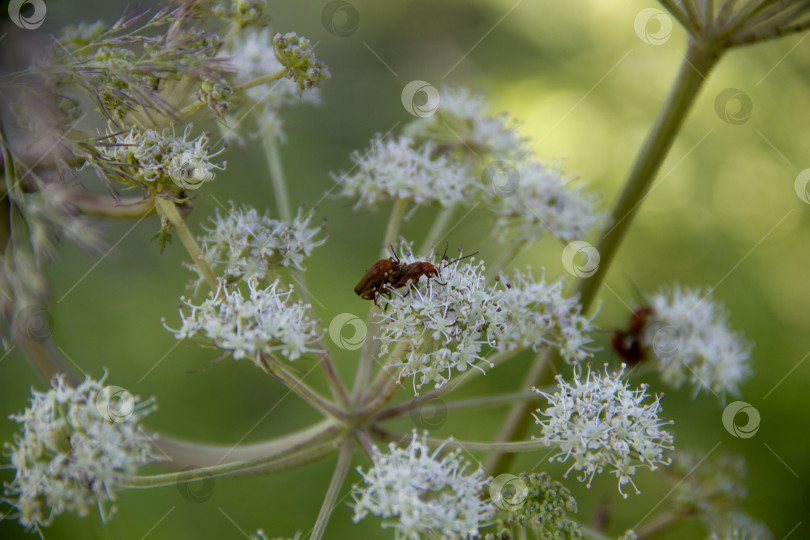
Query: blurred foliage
[[723, 213]]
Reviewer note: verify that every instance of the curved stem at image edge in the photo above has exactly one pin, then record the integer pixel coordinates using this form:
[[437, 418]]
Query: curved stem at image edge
[[698, 62]]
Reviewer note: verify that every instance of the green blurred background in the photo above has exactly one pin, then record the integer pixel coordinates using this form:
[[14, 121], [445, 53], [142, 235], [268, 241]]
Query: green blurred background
[[586, 89]]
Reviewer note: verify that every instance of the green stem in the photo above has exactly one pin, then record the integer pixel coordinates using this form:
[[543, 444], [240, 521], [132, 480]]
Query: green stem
[[437, 229], [182, 453], [341, 470], [273, 155], [507, 257], [471, 446], [169, 210], [593, 534], [237, 468], [458, 381], [700, 59], [662, 524], [308, 394], [369, 348], [518, 420]]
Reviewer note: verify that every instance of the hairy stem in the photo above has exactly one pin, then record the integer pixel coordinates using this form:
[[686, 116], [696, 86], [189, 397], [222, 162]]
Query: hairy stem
[[338, 477]]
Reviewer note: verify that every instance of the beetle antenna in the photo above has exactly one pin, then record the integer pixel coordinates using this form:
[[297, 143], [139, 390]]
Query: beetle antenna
[[461, 258]]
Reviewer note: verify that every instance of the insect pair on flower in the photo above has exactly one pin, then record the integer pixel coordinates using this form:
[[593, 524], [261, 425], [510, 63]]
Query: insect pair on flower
[[388, 274]]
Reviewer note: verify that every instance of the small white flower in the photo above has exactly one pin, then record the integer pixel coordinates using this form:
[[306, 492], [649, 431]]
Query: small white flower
[[453, 320], [691, 336], [245, 244], [463, 119], [544, 200], [393, 169], [145, 156], [75, 446], [251, 55], [425, 493], [266, 322], [600, 422]]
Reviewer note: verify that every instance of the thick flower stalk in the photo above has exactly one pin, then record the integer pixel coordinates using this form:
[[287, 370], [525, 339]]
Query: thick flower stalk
[[600, 422], [423, 493], [265, 321], [689, 334], [452, 321], [74, 447]]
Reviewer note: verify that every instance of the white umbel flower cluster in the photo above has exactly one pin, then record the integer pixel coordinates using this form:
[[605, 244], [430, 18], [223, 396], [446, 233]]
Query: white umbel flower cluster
[[691, 337], [145, 157], [243, 243], [393, 169], [463, 118], [75, 446], [453, 320], [425, 494], [266, 322], [536, 198], [600, 422]]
